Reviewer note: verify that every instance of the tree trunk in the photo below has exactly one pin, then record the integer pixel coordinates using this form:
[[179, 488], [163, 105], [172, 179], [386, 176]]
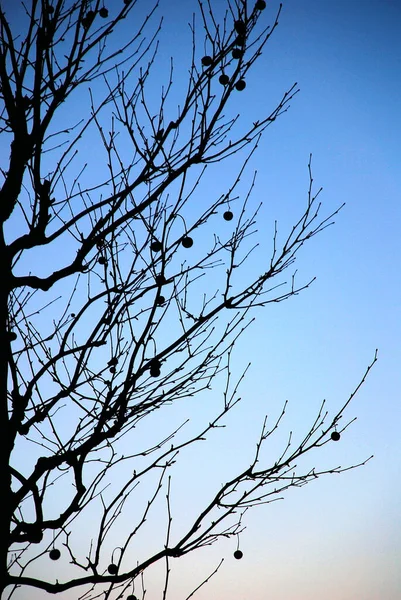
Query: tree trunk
[[6, 434]]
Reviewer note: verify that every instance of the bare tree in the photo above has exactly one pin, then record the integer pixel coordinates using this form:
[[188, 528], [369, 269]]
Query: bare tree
[[120, 287]]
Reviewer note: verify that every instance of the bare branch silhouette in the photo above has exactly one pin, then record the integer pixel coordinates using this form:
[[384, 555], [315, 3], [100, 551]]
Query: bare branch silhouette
[[122, 294]]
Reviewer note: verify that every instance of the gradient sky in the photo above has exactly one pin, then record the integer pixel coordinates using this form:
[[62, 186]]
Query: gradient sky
[[340, 537]]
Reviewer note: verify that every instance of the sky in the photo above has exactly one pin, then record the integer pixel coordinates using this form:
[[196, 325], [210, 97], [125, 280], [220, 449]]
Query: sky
[[338, 538]]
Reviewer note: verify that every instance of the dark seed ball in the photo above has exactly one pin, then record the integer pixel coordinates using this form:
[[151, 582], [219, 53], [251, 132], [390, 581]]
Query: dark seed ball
[[112, 569], [228, 215], [103, 12], [207, 61], [156, 246], [54, 554], [240, 27], [260, 5], [224, 79], [240, 85], [187, 241], [238, 554], [335, 436], [236, 53], [88, 18], [155, 368]]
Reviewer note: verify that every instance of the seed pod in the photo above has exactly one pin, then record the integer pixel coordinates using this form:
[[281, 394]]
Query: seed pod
[[87, 20], [228, 215], [237, 53], [224, 79], [238, 554], [112, 569], [155, 368], [240, 27], [156, 246], [240, 85], [54, 554], [207, 61], [155, 371], [335, 436], [187, 241]]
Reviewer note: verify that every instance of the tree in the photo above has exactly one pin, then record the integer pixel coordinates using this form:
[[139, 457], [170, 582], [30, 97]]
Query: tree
[[112, 305]]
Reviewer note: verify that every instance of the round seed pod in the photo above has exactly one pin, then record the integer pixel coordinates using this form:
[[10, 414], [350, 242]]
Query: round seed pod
[[260, 5], [187, 241], [240, 27], [207, 61], [156, 246], [237, 53], [155, 368], [155, 372], [112, 569]]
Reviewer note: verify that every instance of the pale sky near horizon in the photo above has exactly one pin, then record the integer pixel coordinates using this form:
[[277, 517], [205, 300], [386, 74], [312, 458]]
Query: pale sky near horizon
[[338, 538]]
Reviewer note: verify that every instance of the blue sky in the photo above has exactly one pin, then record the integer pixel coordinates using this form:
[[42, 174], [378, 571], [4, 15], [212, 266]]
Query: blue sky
[[340, 537]]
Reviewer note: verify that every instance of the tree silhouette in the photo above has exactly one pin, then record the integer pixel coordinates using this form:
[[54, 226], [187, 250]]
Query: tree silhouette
[[120, 288]]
